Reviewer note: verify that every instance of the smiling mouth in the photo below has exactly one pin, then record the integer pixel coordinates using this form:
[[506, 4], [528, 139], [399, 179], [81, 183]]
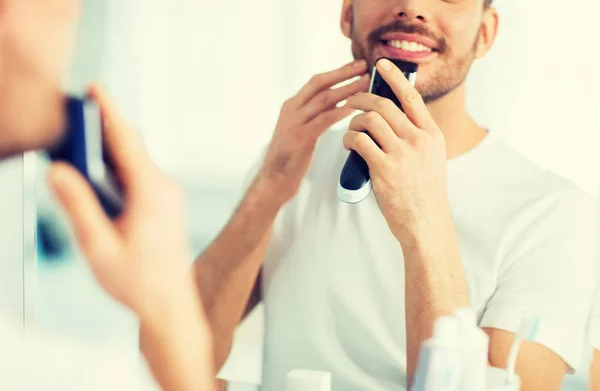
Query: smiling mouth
[[409, 46]]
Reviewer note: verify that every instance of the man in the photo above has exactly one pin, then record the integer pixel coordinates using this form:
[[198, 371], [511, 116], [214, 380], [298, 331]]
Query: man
[[141, 259], [456, 218]]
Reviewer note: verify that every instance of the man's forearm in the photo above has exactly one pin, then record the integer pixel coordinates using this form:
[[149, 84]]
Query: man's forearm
[[228, 270], [177, 342], [595, 372], [435, 285]]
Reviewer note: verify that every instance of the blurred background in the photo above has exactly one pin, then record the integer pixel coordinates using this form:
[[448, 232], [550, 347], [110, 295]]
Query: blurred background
[[203, 82]]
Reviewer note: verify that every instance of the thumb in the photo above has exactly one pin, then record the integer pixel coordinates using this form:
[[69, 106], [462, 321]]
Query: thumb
[[96, 234]]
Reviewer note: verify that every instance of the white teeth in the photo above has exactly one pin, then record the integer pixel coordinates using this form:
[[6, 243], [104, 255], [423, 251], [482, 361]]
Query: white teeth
[[408, 46]]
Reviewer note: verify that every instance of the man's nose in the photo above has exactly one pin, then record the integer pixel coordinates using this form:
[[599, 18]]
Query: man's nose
[[411, 11]]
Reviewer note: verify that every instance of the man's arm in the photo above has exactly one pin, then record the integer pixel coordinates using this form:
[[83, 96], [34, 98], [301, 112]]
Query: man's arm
[[416, 208], [141, 258], [435, 285], [595, 372], [547, 271], [178, 345], [228, 271], [538, 367]]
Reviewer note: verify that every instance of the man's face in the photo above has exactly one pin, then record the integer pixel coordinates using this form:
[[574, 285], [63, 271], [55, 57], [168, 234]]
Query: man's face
[[442, 36], [36, 43]]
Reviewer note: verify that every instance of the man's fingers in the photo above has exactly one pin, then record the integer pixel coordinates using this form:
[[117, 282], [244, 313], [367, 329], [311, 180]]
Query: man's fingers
[[327, 80], [325, 120], [366, 147], [124, 146], [397, 120], [377, 128], [328, 99], [412, 102], [94, 231]]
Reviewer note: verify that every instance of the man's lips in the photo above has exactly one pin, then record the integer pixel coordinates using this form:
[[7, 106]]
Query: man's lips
[[418, 39], [418, 56]]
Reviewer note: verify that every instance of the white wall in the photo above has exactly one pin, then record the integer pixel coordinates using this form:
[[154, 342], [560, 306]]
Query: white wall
[[539, 86], [107, 52], [222, 90]]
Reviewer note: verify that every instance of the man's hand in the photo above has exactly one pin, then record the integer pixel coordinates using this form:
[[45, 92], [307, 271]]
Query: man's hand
[[302, 120], [145, 253], [229, 276], [142, 258], [538, 367], [408, 172]]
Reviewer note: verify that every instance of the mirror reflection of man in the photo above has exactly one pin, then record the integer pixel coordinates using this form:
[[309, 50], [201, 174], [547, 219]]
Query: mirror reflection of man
[[457, 218], [141, 259]]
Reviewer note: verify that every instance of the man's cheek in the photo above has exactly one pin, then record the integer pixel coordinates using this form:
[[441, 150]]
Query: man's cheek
[[461, 35]]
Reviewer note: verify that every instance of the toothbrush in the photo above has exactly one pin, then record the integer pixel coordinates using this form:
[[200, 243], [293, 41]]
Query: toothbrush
[[527, 331]]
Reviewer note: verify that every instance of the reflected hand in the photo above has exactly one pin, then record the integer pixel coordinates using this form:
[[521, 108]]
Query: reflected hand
[[141, 259], [408, 172], [302, 120]]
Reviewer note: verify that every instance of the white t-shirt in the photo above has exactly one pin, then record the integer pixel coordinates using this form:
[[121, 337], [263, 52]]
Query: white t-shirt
[[41, 363], [333, 276]]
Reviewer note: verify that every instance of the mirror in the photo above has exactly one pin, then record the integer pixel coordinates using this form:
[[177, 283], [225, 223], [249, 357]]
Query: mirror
[[206, 88]]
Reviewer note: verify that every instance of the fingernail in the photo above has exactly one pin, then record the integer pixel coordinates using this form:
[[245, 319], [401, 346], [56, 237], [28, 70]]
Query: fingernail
[[384, 64]]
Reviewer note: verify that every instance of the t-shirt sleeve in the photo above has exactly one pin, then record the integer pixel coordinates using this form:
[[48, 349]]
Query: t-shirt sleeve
[[548, 270]]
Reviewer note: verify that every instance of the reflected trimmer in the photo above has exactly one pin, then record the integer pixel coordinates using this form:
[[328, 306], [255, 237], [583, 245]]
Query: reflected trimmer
[[355, 180], [82, 146]]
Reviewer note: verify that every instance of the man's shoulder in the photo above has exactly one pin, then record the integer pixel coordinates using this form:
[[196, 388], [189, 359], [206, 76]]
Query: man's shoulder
[[527, 179], [537, 204]]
